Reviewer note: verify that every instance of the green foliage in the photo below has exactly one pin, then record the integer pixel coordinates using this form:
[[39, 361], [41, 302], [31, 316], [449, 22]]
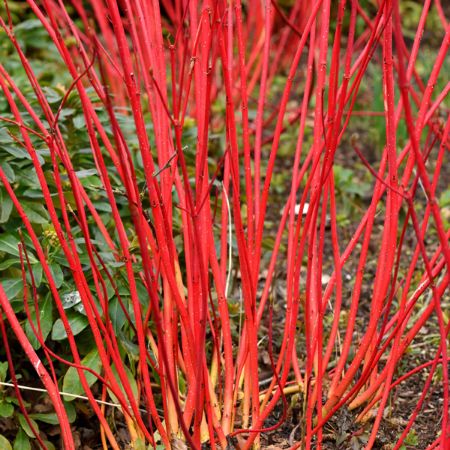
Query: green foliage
[[411, 441], [410, 12], [72, 382], [350, 187], [444, 203], [9, 409], [18, 167], [43, 324], [4, 443]]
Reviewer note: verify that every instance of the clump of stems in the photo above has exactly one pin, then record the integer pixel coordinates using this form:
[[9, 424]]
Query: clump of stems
[[253, 74]]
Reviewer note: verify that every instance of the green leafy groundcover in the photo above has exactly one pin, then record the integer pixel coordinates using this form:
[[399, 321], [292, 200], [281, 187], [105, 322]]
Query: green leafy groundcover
[[18, 167]]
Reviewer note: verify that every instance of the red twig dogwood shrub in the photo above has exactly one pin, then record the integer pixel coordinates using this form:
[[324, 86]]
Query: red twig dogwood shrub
[[187, 109]]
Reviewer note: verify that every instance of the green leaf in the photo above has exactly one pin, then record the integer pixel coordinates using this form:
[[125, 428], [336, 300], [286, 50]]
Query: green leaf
[[142, 293], [36, 213], [14, 401], [6, 409], [9, 243], [131, 380], [50, 418], [37, 274], [21, 442], [61, 260], [103, 207], [52, 95], [17, 152], [45, 319], [26, 427], [3, 370], [28, 25], [130, 347], [79, 122], [72, 382], [70, 411], [116, 315], [91, 181], [139, 444], [77, 323], [58, 275], [411, 439], [9, 172], [444, 200], [6, 206], [85, 173], [8, 263], [4, 443], [33, 193], [13, 287]]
